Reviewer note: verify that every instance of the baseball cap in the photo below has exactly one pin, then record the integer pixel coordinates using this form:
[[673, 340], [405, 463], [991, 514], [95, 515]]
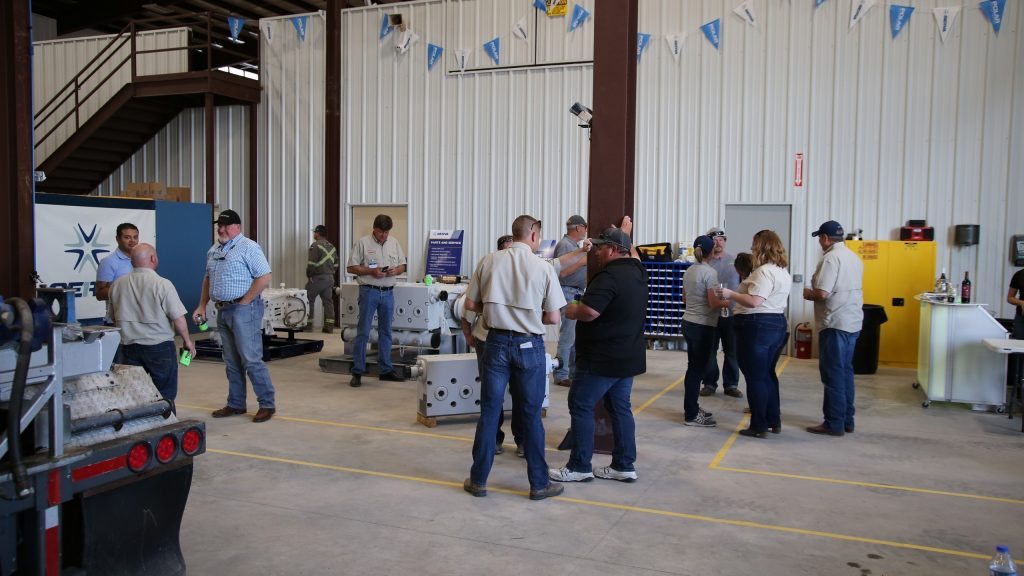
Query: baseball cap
[[705, 243], [320, 229], [576, 220], [614, 236], [715, 232], [228, 217], [830, 228]]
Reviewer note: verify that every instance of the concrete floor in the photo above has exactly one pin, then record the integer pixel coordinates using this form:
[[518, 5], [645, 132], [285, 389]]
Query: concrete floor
[[345, 481]]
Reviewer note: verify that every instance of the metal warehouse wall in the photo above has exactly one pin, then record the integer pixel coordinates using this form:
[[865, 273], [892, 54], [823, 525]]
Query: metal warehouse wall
[[55, 63]]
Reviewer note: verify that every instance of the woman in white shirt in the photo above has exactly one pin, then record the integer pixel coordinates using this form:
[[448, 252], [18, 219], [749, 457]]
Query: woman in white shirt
[[761, 330]]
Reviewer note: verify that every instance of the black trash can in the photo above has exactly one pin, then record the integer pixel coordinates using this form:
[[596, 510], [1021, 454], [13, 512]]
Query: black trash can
[[865, 354]]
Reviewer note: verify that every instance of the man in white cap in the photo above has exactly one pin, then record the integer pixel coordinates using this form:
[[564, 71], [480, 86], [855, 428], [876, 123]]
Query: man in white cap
[[725, 264]]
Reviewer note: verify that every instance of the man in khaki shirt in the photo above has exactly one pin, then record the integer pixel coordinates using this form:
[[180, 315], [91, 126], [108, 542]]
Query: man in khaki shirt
[[144, 306], [518, 294]]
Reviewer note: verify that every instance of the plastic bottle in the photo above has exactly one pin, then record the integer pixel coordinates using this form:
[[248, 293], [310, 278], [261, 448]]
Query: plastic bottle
[[965, 290], [951, 293], [1002, 564]]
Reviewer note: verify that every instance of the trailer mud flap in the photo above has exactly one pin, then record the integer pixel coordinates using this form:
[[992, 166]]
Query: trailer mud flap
[[131, 527]]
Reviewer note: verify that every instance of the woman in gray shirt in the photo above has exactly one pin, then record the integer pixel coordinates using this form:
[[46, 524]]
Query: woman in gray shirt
[[699, 324]]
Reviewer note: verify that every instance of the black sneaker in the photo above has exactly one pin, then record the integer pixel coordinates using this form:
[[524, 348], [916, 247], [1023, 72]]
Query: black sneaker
[[356, 381], [549, 491], [520, 451], [390, 377], [498, 448]]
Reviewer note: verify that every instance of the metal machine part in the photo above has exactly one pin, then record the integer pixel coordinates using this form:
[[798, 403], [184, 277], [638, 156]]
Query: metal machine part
[[449, 384]]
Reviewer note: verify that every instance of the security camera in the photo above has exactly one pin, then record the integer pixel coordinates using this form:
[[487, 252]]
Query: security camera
[[583, 113]]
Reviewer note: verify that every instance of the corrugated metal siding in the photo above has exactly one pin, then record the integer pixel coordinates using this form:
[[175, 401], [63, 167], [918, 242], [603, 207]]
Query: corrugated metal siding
[[891, 130], [55, 63], [176, 156]]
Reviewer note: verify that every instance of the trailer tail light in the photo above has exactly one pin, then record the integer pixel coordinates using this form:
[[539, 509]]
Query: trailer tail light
[[138, 456], [166, 449], [191, 441]]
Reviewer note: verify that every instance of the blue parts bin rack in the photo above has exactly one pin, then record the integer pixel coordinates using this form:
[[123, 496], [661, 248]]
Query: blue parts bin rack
[[665, 304]]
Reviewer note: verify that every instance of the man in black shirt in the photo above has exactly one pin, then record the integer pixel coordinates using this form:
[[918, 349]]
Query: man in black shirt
[[610, 351]]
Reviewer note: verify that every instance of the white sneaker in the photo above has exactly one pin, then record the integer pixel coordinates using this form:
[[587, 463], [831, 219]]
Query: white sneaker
[[566, 475], [610, 473], [702, 420]]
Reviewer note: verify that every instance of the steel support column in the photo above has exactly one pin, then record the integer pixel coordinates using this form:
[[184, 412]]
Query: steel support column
[[332, 134]]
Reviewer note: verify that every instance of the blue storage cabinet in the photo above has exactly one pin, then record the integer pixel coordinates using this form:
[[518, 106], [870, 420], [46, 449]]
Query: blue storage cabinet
[[665, 304]]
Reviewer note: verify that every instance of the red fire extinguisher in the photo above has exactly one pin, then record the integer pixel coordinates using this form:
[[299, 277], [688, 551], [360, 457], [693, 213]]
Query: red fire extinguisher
[[804, 335]]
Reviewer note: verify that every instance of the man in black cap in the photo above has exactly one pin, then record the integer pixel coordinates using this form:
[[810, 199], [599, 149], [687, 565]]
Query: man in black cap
[[320, 268], [611, 350], [836, 290], [573, 282], [236, 274]]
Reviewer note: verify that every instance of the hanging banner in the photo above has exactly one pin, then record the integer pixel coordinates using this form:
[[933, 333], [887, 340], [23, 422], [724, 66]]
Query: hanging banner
[[385, 27], [994, 10], [898, 17], [713, 32], [818, 3], [493, 49], [235, 25], [558, 7], [300, 23], [268, 32], [675, 44], [433, 55], [579, 16], [858, 9], [540, 5], [641, 44], [461, 57], [519, 30], [944, 18], [406, 41], [746, 12]]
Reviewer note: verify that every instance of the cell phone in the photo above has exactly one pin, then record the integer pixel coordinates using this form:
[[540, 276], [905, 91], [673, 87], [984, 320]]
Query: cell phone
[[385, 269]]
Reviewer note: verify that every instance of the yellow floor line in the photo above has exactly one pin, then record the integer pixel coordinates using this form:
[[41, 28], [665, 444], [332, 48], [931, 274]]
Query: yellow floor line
[[623, 507], [728, 443], [658, 395]]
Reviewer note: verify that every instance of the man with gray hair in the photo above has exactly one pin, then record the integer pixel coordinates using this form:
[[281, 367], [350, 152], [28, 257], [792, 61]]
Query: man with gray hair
[[724, 264], [145, 307], [837, 292], [573, 283]]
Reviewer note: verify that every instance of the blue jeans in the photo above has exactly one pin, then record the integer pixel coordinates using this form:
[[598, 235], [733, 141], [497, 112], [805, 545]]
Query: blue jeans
[[241, 335], [517, 418], [835, 363], [160, 362], [373, 301], [566, 339], [587, 389], [730, 366], [519, 362], [759, 341], [699, 339]]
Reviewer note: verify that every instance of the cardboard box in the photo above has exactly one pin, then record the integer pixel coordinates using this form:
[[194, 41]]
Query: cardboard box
[[157, 191]]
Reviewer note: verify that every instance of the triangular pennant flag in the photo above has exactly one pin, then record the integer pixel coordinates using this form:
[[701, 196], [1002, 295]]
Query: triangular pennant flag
[[493, 49], [746, 12], [994, 10], [641, 44], [675, 44], [540, 5], [268, 32], [461, 57], [235, 25], [300, 26], [519, 30], [944, 18], [899, 16], [858, 9], [406, 41], [433, 54], [818, 3], [385, 27], [713, 32], [579, 16]]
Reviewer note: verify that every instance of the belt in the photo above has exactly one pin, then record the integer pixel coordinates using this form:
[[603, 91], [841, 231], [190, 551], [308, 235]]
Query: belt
[[225, 303], [381, 288], [512, 333]]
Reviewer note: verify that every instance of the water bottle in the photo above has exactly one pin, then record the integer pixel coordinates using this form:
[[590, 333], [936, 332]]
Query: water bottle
[[723, 312], [1002, 564]]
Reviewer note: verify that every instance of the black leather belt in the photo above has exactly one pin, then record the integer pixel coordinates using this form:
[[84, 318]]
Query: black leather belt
[[225, 303], [512, 333], [381, 288]]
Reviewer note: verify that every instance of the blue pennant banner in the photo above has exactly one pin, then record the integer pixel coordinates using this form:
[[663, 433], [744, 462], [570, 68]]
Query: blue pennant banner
[[235, 25], [713, 32], [818, 3], [300, 26], [642, 40], [994, 10], [579, 16], [493, 49], [540, 5], [385, 27], [433, 55], [899, 16]]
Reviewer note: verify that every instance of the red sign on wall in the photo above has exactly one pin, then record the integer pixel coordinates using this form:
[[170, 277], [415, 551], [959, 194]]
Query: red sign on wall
[[798, 170]]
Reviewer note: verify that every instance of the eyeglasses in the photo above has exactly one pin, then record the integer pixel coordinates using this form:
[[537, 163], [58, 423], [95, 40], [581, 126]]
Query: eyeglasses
[[537, 224], [717, 233]]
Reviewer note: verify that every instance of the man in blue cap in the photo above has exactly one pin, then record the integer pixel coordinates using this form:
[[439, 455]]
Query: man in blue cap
[[838, 296]]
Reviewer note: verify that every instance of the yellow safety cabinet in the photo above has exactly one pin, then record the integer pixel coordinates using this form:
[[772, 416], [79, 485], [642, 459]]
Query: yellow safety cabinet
[[895, 272]]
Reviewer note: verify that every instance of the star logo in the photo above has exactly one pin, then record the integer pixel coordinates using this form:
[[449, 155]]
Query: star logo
[[88, 249]]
